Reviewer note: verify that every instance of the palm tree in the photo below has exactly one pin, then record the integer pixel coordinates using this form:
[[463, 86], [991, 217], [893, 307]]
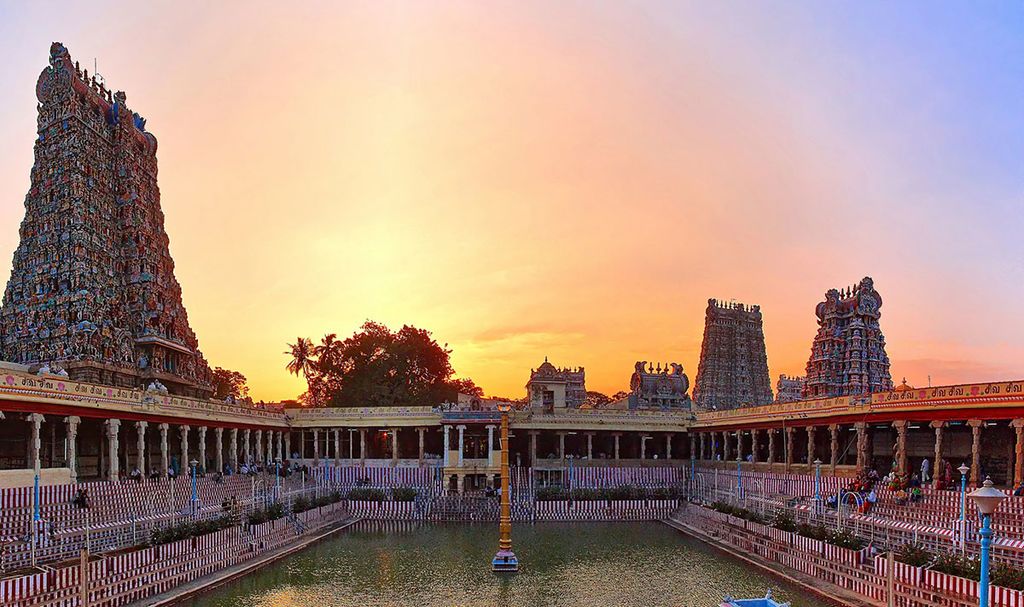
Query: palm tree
[[302, 361]]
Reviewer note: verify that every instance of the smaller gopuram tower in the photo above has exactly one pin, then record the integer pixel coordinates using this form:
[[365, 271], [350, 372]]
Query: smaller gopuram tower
[[733, 369], [848, 354]]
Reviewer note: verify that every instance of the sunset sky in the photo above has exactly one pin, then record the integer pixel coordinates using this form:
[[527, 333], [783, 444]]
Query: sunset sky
[[565, 179]]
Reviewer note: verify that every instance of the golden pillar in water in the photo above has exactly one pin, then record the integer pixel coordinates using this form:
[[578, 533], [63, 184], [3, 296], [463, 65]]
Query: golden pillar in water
[[505, 560]]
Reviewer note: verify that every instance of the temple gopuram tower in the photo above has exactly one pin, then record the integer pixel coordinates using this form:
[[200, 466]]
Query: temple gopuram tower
[[92, 290], [733, 369], [848, 354]]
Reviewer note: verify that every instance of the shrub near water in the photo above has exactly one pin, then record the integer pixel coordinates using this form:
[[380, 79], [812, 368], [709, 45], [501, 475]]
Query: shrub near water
[[265, 515], [187, 530], [914, 555], [403, 494], [955, 564]]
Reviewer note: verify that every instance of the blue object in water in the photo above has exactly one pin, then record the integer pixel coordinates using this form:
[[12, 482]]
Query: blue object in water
[[767, 601]]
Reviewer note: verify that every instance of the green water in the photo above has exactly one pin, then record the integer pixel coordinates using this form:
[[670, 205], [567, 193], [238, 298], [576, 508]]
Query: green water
[[592, 564]]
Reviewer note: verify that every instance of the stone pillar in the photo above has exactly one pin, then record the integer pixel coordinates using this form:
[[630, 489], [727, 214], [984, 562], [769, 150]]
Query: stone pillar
[[754, 455], [771, 446], [184, 447], [533, 447], [394, 446], [900, 454], [833, 430], [35, 443], [1018, 452], [643, 447], [261, 451], [739, 445], [616, 436], [362, 446], [490, 444], [937, 462], [447, 445], [460, 480], [811, 451], [140, 446], [976, 426], [202, 448], [703, 447], [218, 437], [726, 452], [590, 445], [422, 432], [789, 447], [668, 445], [112, 438], [288, 444], [233, 450], [561, 445], [462, 432], [246, 457], [164, 455], [72, 422], [862, 445], [337, 446], [316, 446]]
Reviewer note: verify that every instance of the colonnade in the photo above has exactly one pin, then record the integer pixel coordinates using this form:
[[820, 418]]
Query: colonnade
[[729, 445], [257, 446]]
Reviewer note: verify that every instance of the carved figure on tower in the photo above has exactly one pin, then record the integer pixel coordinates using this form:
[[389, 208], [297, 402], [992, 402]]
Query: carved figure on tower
[[92, 287]]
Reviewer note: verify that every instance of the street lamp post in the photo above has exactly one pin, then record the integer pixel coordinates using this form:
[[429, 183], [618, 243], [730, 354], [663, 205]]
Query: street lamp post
[[987, 499], [505, 560], [963, 469]]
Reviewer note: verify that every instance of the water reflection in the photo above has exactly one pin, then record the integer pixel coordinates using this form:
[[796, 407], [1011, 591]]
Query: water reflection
[[641, 564]]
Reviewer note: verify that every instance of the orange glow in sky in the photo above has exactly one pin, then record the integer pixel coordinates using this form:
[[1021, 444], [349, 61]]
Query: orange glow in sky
[[556, 179]]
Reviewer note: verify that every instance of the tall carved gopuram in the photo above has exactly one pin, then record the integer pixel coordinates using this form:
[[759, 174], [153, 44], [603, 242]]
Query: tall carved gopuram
[[92, 289], [848, 354], [733, 369]]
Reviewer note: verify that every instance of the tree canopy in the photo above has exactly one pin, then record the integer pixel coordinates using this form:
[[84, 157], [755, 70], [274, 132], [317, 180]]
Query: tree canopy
[[377, 367], [229, 383]]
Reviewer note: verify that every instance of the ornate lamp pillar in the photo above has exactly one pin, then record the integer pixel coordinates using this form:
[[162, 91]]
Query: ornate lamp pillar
[[140, 447], [72, 422], [505, 560]]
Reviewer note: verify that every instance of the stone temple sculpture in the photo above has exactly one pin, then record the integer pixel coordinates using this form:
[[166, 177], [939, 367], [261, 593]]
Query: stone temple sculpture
[[92, 290]]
